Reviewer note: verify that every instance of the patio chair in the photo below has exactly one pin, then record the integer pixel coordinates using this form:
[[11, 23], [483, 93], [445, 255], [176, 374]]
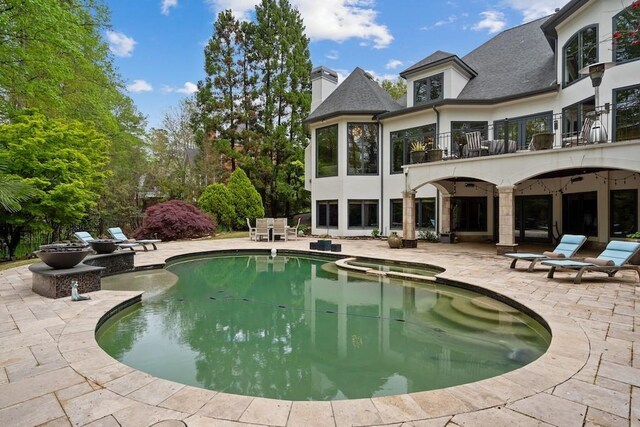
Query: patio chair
[[582, 137], [252, 230], [475, 144], [293, 231], [567, 248], [280, 228], [85, 237], [262, 229], [613, 259], [117, 233]]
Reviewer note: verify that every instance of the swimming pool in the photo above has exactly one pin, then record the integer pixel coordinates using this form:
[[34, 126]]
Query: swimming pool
[[295, 327]]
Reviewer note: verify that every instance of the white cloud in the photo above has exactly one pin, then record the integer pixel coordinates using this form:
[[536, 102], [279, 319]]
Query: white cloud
[[188, 88], [167, 5], [450, 20], [336, 20], [332, 54], [120, 44], [381, 77], [393, 64], [139, 86], [534, 9], [494, 21]]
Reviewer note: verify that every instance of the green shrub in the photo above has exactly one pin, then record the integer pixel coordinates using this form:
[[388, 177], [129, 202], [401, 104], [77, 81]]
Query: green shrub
[[218, 202], [246, 199]]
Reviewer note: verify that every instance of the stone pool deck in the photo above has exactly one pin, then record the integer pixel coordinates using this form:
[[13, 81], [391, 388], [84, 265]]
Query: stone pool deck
[[53, 373]]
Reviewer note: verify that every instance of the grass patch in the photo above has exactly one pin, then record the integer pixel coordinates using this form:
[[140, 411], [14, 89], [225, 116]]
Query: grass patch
[[11, 264], [231, 235]]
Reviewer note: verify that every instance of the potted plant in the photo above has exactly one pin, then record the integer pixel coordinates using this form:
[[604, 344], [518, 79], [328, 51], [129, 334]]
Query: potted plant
[[418, 152], [375, 233], [433, 152], [395, 242]]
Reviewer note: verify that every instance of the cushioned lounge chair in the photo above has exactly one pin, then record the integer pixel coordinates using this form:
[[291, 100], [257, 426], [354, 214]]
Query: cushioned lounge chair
[[567, 248], [613, 259], [116, 233], [85, 237]]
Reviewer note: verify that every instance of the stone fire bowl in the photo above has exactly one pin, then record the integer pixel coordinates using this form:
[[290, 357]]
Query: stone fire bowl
[[104, 246], [60, 260]]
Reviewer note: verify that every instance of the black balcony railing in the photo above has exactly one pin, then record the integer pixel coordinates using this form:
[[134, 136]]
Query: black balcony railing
[[550, 131]]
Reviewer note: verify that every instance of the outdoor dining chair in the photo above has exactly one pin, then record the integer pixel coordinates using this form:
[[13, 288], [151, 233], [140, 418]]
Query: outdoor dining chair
[[475, 146]]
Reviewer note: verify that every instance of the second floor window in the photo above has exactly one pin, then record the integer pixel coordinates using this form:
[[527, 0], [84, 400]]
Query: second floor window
[[581, 50], [401, 143], [624, 25], [428, 90], [362, 148], [327, 151]]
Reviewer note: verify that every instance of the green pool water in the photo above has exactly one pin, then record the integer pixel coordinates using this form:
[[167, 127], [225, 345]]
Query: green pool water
[[297, 328]]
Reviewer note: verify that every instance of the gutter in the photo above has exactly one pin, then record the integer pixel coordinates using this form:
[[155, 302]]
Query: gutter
[[381, 167]]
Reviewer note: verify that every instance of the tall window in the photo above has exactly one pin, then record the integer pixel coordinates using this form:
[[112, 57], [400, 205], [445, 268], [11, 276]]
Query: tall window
[[627, 113], [469, 214], [625, 23], [362, 148], [363, 213], [581, 50], [521, 129], [624, 212], [425, 213], [428, 90], [580, 213], [574, 115], [327, 213], [327, 151], [401, 142]]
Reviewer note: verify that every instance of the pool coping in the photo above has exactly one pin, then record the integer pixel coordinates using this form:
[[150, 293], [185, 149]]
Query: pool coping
[[125, 388]]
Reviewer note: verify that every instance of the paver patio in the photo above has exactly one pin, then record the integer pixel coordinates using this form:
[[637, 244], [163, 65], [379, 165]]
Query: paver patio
[[53, 372]]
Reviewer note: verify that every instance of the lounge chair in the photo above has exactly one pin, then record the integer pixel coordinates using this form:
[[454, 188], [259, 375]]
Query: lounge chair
[[252, 230], [613, 259], [116, 233], [567, 248], [85, 237]]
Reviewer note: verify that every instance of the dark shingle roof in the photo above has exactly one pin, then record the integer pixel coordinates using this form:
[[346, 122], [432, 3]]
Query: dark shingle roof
[[516, 61], [357, 94]]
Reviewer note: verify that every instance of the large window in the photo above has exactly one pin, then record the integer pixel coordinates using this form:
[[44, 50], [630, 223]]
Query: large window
[[533, 218], [362, 148], [327, 151], [469, 214], [363, 213], [428, 90], [624, 50], [327, 214], [574, 115], [425, 213], [401, 142], [581, 50], [624, 212], [627, 113], [521, 129], [580, 213]]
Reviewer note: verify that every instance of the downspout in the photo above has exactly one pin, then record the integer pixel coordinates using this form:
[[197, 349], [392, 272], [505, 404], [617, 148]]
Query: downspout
[[437, 138], [381, 168]]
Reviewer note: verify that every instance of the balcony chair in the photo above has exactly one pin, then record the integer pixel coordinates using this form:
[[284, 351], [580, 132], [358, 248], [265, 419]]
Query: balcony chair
[[613, 259], [567, 248], [475, 146], [118, 234], [582, 137]]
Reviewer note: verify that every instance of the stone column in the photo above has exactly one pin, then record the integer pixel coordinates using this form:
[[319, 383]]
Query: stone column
[[409, 215], [506, 220], [445, 214]]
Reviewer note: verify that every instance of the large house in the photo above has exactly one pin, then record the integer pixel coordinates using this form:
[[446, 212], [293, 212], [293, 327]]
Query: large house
[[520, 144]]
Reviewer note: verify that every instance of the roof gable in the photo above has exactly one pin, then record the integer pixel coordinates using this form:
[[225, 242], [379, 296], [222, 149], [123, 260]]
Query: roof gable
[[357, 94], [437, 58]]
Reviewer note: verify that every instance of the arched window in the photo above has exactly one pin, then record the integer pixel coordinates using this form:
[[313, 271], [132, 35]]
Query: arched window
[[581, 50], [624, 24]]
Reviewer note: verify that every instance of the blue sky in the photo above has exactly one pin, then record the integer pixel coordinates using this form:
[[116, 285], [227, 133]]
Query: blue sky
[[158, 44]]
